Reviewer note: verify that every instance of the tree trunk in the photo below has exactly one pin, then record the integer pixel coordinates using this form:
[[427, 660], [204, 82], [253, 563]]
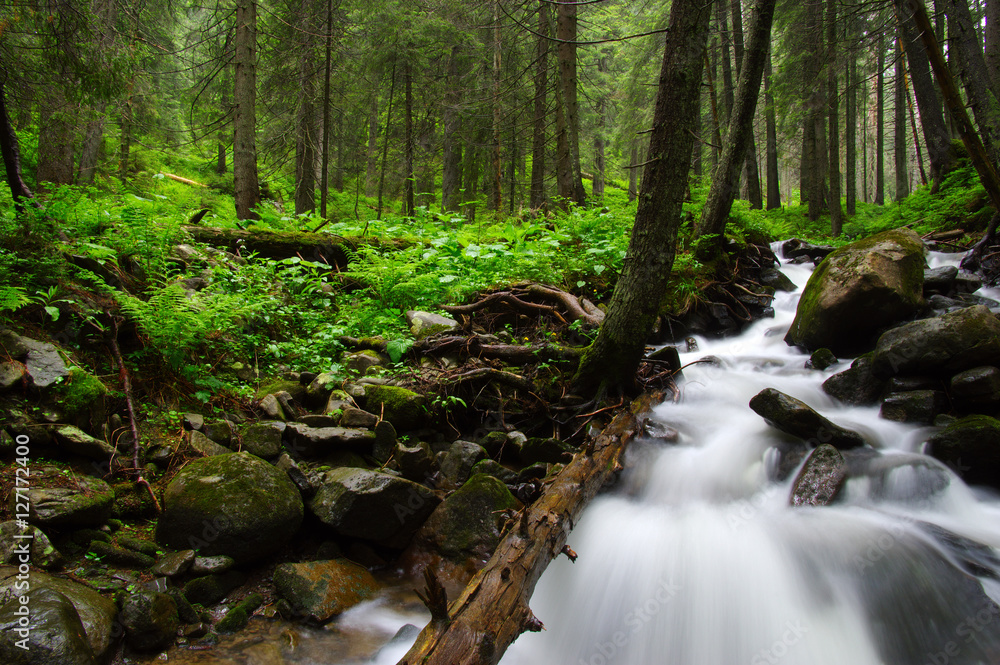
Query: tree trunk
[[564, 160], [599, 110], [939, 150], [385, 141], [836, 213], [726, 177], [496, 172], [773, 189], [451, 166], [409, 140], [11, 153], [992, 39], [245, 121], [899, 126], [714, 105], [879, 121], [610, 362], [851, 120], [473, 157], [537, 198], [305, 140], [371, 170], [633, 172], [324, 187], [125, 138], [750, 176], [725, 37], [55, 140], [566, 34], [91, 149]]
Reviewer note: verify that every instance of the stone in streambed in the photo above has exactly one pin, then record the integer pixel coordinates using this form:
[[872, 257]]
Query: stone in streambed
[[150, 620], [971, 447], [820, 479], [323, 589], [977, 387], [59, 500], [795, 417], [914, 406], [53, 632]]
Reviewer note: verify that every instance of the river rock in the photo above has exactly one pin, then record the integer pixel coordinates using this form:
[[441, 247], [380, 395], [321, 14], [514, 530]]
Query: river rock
[[795, 417], [54, 634], [372, 505], [945, 344], [858, 291], [74, 440], [317, 441], [776, 279], [12, 373], [821, 359], [272, 408], [405, 409], [61, 499], [95, 612], [458, 461], [298, 477], [174, 564], [821, 477], [220, 431], [211, 589], [150, 621], [415, 462], [795, 248], [939, 281], [211, 565], [468, 523], [547, 450], [976, 387], [323, 589], [319, 389], [354, 417], [205, 446], [971, 447], [914, 406], [217, 506], [41, 551], [494, 468], [425, 324], [385, 441], [264, 439], [42, 361]]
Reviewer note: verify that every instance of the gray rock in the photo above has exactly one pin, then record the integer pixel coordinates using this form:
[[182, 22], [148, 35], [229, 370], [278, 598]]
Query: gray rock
[[211, 565], [405, 409], [214, 505], [415, 462], [320, 420], [458, 461], [795, 248], [264, 439], [272, 408], [220, 431], [858, 291], [41, 552], [857, 386], [550, 451], [372, 505], [821, 359], [12, 373], [287, 403], [319, 389], [905, 384], [820, 479], [286, 464], [54, 634], [211, 589], [150, 621], [496, 469], [945, 344], [354, 417], [915, 406], [96, 612], [797, 418], [63, 500], [42, 360], [317, 441], [194, 421], [777, 280], [204, 445], [976, 387], [385, 441], [939, 280], [174, 564], [321, 590], [425, 324], [967, 282], [971, 447], [76, 441]]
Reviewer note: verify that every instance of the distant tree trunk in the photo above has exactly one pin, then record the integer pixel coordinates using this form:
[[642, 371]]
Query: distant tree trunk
[[724, 181], [727, 68], [537, 197], [879, 120], [408, 140], [55, 139], [773, 189], [125, 137], [305, 140], [609, 364], [599, 111], [899, 129], [11, 153], [245, 121], [851, 120], [992, 48], [385, 141], [371, 170], [342, 151], [916, 134], [751, 176], [633, 172], [324, 188], [814, 125], [451, 167], [564, 160], [91, 149], [496, 189], [566, 34], [697, 167], [836, 213], [936, 136], [714, 105], [973, 70]]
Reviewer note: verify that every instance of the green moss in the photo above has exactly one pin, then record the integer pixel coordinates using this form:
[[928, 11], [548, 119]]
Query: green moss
[[80, 391], [293, 388], [405, 409]]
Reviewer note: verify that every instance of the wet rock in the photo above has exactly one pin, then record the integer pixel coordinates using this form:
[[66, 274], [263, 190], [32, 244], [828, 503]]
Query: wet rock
[[298, 477], [194, 421], [795, 417], [317, 441], [821, 359], [53, 634], [272, 408], [777, 280], [458, 461], [319, 389], [353, 417], [42, 361], [857, 386], [495, 469], [323, 589], [12, 373], [319, 420], [264, 439], [971, 447], [119, 557], [425, 324], [40, 550], [150, 621], [945, 344], [211, 589], [76, 441], [174, 564], [405, 409], [966, 282], [360, 361], [211, 565], [375, 506], [205, 446], [214, 505], [939, 280], [668, 355], [220, 431], [147, 547], [94, 611], [238, 616], [915, 406], [537, 449], [976, 387], [132, 501], [468, 523], [415, 462], [820, 479], [905, 384], [385, 441], [795, 248], [858, 291], [64, 500]]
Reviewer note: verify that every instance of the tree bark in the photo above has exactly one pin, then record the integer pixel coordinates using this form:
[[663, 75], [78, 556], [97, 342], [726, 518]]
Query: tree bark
[[751, 176], [566, 34], [633, 173], [836, 213], [599, 111], [245, 179], [899, 125], [11, 152], [773, 188], [879, 121], [537, 198], [91, 149], [408, 139], [385, 141], [451, 167], [851, 119], [305, 140], [992, 46], [726, 177], [610, 362], [371, 171], [324, 186], [496, 172], [55, 139]]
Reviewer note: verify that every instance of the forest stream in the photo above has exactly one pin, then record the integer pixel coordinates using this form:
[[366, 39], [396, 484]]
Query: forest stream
[[696, 557]]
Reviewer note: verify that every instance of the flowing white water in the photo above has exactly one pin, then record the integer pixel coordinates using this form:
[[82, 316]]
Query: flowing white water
[[697, 558]]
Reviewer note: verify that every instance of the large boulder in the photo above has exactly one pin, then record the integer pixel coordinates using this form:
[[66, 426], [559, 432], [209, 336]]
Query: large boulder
[[943, 345], [58, 498], [372, 505], [858, 291], [43, 362], [237, 505], [15, 537], [323, 589], [971, 447], [405, 409], [51, 632], [795, 417]]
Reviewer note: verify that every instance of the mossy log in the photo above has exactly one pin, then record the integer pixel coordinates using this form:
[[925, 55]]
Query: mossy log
[[318, 247], [493, 609]]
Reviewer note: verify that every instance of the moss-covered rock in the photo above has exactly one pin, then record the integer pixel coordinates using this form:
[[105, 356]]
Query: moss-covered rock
[[405, 409], [538, 449], [132, 501], [61, 498], [81, 396], [857, 385], [150, 620], [54, 634], [860, 290], [264, 439], [43, 552], [795, 417], [238, 616], [117, 556], [323, 589], [237, 505], [971, 447], [211, 589]]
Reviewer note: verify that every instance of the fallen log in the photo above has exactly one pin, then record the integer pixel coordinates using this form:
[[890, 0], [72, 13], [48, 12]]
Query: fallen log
[[493, 609], [184, 180]]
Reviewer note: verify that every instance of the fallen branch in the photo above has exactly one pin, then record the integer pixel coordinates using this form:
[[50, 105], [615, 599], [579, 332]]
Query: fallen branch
[[501, 297], [577, 311], [184, 180], [508, 378], [493, 609], [510, 353]]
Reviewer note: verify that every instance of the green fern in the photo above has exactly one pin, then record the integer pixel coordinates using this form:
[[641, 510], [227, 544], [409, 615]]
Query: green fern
[[12, 298]]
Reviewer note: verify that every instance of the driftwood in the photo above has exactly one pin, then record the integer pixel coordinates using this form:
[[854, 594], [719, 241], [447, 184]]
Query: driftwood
[[493, 609]]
